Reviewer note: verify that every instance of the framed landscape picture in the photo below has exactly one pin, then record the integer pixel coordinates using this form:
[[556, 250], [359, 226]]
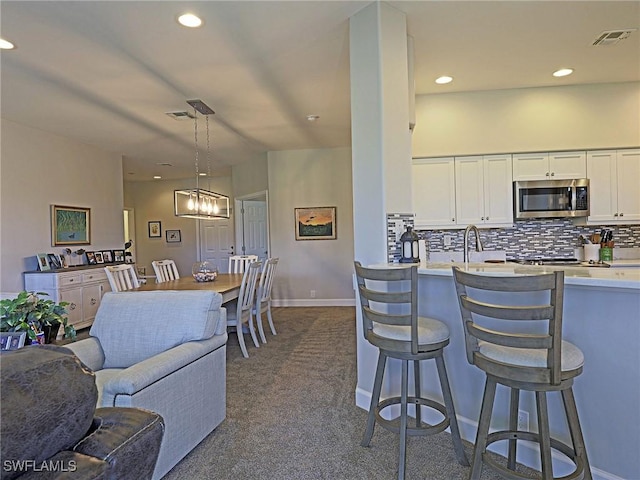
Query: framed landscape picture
[[70, 225], [315, 223]]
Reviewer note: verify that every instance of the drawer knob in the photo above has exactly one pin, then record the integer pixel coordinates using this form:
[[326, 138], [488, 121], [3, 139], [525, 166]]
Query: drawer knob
[[93, 301], [72, 306]]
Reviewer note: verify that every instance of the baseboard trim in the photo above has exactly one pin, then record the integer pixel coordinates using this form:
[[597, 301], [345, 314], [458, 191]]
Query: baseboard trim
[[314, 302]]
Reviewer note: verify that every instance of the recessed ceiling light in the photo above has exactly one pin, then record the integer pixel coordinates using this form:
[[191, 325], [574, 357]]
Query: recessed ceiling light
[[563, 72], [6, 44], [189, 20], [202, 174], [313, 118], [444, 79], [157, 177]]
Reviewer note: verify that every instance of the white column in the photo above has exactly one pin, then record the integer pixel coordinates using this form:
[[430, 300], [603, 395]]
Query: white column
[[381, 144]]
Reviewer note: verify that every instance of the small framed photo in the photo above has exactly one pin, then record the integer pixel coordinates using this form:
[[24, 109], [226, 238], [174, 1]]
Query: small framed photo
[[99, 257], [118, 255], [173, 236], [91, 258], [155, 229], [12, 340], [63, 261], [315, 223], [107, 256], [54, 261], [43, 262]]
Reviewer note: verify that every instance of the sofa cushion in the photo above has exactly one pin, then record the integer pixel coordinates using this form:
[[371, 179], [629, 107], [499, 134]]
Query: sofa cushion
[[133, 326]]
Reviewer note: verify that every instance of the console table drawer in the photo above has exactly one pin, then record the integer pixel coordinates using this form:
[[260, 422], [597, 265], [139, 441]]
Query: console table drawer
[[66, 280]]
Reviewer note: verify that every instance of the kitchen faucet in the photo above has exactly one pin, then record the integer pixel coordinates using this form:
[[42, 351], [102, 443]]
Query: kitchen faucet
[[466, 241]]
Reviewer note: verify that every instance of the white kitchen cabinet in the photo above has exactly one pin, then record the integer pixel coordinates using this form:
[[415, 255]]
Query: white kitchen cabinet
[[433, 192], [484, 190], [81, 287], [614, 176], [549, 166]]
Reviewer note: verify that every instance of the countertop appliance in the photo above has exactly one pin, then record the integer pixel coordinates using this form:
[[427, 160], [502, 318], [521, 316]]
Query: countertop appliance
[[551, 198]]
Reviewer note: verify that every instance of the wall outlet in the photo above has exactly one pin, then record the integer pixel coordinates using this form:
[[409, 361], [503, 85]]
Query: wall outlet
[[447, 240], [523, 420], [312, 294]]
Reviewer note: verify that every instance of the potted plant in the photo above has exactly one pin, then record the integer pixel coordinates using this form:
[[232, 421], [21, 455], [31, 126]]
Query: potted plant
[[31, 313]]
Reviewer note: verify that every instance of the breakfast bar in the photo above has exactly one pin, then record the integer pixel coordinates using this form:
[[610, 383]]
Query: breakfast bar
[[601, 317]]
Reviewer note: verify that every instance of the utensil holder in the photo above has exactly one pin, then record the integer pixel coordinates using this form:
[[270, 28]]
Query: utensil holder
[[591, 252]]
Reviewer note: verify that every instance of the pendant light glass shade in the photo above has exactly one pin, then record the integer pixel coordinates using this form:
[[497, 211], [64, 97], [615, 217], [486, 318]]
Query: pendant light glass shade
[[197, 202]]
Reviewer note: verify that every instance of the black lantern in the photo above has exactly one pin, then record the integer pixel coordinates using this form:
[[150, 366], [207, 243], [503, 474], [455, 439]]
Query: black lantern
[[409, 244]]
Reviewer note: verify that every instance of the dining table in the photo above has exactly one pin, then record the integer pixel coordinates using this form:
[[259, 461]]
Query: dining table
[[226, 284]]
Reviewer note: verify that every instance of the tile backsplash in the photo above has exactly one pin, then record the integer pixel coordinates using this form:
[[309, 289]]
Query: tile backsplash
[[542, 238]]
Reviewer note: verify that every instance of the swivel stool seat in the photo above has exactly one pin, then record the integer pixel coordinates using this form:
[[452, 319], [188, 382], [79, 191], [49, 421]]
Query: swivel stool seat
[[513, 354], [389, 303]]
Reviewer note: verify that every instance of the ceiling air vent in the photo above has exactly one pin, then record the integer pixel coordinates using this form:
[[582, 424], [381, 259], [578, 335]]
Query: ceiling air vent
[[611, 37], [180, 115]]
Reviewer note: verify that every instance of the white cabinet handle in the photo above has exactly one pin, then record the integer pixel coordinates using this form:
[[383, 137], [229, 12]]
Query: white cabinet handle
[[615, 214], [622, 214], [553, 173], [547, 174]]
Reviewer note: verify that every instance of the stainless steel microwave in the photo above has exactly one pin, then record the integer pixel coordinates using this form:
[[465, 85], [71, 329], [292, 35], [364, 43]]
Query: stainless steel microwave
[[551, 198]]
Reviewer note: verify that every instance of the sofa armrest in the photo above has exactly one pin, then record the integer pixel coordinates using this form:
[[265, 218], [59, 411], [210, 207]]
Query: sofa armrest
[[89, 352], [128, 439], [139, 376]]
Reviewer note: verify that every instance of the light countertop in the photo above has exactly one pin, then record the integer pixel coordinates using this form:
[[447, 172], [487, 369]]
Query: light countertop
[[627, 278]]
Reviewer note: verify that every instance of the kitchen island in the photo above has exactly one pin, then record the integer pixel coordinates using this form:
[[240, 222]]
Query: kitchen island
[[601, 317]]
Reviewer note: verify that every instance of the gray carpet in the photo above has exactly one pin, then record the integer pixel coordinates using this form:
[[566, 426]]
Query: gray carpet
[[291, 412]]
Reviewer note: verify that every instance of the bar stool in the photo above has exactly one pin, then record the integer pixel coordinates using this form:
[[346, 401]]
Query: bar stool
[[539, 361], [389, 302]]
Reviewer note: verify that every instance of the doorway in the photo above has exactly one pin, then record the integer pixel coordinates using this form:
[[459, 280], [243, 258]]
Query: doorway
[[252, 225]]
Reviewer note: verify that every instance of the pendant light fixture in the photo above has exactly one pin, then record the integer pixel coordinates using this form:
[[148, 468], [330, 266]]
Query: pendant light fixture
[[197, 202]]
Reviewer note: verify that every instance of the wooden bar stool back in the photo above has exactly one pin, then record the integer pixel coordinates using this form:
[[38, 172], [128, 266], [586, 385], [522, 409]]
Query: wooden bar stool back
[[521, 357], [389, 303]]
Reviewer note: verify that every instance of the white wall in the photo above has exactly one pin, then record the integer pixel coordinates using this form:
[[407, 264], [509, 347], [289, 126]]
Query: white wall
[[153, 201], [38, 169], [528, 119], [311, 178]]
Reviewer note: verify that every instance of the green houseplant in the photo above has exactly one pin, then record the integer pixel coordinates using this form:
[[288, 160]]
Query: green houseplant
[[31, 313]]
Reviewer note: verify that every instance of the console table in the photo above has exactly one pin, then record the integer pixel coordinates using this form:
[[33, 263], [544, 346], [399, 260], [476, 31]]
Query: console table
[[81, 286]]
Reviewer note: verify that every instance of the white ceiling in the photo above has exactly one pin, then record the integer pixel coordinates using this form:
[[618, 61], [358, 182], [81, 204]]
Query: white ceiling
[[105, 72]]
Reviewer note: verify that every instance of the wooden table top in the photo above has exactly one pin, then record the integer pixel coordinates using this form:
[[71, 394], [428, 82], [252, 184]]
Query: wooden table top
[[227, 284]]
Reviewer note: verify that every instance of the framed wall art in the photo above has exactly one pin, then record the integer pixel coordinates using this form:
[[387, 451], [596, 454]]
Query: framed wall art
[[155, 229], [315, 223], [70, 225], [173, 236]]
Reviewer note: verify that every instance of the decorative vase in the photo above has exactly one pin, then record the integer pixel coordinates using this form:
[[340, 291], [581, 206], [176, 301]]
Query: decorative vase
[[204, 271]]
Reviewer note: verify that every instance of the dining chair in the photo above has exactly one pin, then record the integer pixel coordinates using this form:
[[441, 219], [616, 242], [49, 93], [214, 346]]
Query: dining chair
[[499, 318], [238, 263], [240, 311], [389, 305], [263, 297], [165, 270], [122, 277]]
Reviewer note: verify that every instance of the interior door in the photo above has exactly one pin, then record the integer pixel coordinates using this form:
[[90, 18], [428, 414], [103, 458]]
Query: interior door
[[216, 244], [254, 225]]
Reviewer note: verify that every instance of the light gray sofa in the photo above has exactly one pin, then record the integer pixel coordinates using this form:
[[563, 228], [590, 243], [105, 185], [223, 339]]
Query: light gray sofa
[[164, 351]]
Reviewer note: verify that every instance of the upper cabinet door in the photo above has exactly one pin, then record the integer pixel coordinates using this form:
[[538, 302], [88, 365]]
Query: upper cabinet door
[[469, 190], [531, 166], [567, 165], [433, 191], [603, 185], [498, 189], [628, 175]]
